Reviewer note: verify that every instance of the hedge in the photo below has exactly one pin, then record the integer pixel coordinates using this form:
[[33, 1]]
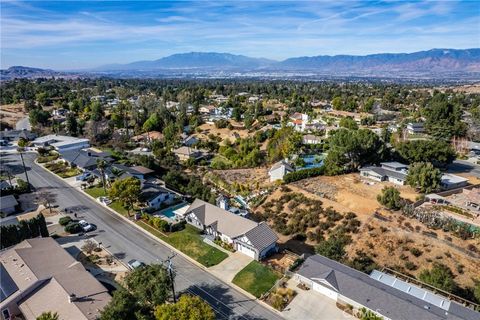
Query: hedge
[[26, 229], [63, 221], [73, 227], [303, 174]]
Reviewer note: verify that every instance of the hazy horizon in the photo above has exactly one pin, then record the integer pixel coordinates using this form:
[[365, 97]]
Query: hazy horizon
[[77, 35]]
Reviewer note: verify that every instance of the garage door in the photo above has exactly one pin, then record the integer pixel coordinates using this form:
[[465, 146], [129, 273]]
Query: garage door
[[245, 250], [325, 291]]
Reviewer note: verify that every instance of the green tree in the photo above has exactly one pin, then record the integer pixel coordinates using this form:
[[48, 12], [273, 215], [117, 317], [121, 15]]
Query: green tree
[[127, 191], [151, 284], [439, 152], [187, 308], [366, 314], [122, 306], [368, 105], [424, 177], [22, 143], [443, 117], [440, 276], [390, 198], [152, 123], [334, 247], [72, 124], [38, 116], [96, 111], [337, 103], [284, 143], [350, 149], [476, 291], [48, 316], [349, 123]]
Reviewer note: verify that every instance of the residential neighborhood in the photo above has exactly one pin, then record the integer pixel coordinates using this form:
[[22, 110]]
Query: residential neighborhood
[[297, 160]]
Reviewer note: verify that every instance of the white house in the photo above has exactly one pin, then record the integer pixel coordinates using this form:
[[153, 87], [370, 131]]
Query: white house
[[253, 239], [415, 128], [451, 181], [155, 195], [61, 143], [381, 293], [279, 170], [395, 172], [311, 139]]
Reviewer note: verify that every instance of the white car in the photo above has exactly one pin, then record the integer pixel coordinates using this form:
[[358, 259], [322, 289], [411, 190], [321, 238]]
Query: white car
[[85, 225], [104, 200]]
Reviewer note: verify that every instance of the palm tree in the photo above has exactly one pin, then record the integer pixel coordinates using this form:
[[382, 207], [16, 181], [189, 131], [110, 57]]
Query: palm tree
[[102, 165]]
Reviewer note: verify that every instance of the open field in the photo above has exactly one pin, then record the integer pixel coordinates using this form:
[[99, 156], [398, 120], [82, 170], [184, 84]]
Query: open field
[[11, 113], [389, 238], [224, 133], [251, 177]]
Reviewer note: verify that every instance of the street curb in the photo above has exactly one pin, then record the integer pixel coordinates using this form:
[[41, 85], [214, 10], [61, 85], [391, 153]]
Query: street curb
[[198, 264]]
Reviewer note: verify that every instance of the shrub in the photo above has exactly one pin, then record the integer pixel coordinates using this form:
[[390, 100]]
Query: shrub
[[73, 227], [177, 226], [416, 252], [303, 174], [63, 221]]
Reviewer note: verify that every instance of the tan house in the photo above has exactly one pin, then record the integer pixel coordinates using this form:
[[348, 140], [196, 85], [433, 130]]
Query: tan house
[[148, 137], [184, 153], [38, 275]]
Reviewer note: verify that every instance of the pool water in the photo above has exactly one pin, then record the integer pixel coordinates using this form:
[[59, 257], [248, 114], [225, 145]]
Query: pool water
[[168, 212]]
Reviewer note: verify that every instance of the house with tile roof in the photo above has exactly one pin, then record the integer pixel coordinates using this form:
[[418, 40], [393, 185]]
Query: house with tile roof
[[251, 238]]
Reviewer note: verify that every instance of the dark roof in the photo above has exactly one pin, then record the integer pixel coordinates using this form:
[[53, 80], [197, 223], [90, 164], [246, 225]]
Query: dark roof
[[386, 172], [375, 295], [129, 171], [7, 285], [280, 163], [261, 236], [150, 192], [8, 202], [85, 158]]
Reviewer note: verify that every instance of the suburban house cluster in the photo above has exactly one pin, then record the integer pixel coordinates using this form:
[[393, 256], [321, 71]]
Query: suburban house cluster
[[381, 293], [253, 239], [38, 275]]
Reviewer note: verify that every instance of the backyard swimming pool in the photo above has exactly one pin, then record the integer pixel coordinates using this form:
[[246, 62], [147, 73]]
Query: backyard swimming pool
[[169, 212]]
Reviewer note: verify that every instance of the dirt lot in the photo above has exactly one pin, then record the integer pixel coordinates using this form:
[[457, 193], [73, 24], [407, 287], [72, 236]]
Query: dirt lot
[[11, 113], [389, 240], [245, 176], [349, 192], [223, 133]]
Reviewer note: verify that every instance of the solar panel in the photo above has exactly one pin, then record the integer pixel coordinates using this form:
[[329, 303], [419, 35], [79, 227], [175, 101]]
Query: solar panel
[[7, 285]]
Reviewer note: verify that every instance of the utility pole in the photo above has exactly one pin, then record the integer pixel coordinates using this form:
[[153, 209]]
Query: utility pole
[[20, 150], [170, 272]]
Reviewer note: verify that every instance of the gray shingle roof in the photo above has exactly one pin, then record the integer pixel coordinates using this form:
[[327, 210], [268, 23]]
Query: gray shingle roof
[[385, 172], [374, 295], [261, 236], [8, 202], [281, 163]]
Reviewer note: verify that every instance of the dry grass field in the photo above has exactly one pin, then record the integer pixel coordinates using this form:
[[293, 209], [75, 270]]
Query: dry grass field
[[11, 113]]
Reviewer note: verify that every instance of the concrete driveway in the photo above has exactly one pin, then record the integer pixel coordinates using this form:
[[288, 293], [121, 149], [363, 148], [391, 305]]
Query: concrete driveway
[[312, 305], [228, 268]]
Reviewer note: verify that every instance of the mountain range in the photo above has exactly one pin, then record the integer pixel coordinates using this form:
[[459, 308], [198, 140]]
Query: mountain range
[[434, 64]]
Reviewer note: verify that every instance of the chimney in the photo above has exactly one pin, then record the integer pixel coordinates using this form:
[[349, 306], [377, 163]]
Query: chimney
[[72, 298]]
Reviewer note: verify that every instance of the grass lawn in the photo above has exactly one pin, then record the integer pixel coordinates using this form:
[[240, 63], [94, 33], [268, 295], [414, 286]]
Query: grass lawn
[[115, 205], [72, 172], [95, 192], [256, 278], [189, 242]]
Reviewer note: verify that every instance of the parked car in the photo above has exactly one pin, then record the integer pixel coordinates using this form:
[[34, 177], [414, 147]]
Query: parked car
[[134, 264], [84, 176], [85, 225], [104, 200]]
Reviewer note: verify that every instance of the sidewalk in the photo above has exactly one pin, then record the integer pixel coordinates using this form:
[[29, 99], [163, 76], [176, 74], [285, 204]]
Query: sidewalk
[[196, 263]]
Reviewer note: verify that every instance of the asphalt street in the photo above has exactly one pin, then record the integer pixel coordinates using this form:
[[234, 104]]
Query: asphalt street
[[127, 242]]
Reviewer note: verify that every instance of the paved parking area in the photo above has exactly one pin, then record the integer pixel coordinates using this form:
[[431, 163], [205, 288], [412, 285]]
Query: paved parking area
[[228, 268], [313, 306]]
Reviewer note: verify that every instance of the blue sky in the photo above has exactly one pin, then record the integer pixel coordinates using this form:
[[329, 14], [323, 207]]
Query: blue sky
[[82, 34]]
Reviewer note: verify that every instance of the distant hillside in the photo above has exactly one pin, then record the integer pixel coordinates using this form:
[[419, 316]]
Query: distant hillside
[[17, 72], [195, 60], [435, 60]]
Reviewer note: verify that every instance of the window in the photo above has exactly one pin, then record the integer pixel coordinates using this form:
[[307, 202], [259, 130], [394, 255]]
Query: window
[[6, 314]]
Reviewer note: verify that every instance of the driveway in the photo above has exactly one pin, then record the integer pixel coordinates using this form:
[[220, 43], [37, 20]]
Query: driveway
[[312, 305], [228, 268]]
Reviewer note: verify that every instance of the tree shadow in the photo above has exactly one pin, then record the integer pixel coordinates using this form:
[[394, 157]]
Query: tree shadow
[[120, 255], [222, 302], [298, 247]]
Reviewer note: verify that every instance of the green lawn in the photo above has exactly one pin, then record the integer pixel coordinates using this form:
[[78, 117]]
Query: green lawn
[[191, 243], [115, 205], [68, 173], [95, 192], [256, 278]]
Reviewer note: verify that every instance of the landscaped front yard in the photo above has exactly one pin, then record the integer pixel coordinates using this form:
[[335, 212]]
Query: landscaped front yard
[[191, 243], [62, 169], [115, 205], [95, 192], [256, 278]]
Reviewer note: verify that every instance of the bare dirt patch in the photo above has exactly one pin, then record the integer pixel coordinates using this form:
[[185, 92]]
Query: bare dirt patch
[[253, 177], [224, 133], [12, 113]]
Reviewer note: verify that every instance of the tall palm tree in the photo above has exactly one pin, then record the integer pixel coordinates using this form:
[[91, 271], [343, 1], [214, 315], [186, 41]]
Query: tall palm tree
[[102, 165]]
